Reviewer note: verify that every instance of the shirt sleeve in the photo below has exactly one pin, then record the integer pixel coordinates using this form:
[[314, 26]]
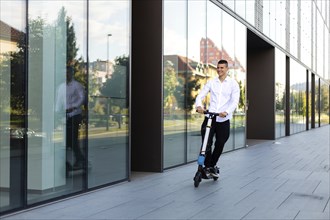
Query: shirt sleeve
[[234, 97], [202, 94]]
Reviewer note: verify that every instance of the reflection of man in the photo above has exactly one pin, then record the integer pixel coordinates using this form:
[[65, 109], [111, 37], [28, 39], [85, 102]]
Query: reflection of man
[[70, 98]]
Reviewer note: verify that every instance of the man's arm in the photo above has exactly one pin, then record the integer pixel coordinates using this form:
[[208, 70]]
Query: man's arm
[[200, 97]]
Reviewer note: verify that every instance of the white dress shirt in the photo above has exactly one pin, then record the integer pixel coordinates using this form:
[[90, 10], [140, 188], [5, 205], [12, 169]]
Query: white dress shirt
[[224, 96], [70, 96]]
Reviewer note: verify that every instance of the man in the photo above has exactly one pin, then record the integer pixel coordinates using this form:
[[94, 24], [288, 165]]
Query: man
[[224, 97], [70, 98]]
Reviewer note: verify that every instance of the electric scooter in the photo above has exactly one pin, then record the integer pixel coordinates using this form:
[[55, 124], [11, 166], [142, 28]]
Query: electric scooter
[[200, 174]]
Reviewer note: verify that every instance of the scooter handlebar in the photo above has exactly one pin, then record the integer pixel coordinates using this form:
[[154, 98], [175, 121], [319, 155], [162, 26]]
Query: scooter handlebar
[[205, 112]]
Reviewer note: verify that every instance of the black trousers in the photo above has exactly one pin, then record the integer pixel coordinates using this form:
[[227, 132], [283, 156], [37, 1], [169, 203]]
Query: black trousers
[[72, 134], [221, 131]]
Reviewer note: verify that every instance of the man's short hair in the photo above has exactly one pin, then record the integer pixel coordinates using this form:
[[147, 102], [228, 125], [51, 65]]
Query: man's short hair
[[223, 62], [70, 70]]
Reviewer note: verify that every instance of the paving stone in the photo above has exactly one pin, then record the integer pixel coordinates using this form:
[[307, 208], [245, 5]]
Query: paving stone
[[286, 180]]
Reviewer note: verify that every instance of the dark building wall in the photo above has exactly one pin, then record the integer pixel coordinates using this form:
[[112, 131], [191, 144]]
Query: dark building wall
[[147, 84], [260, 88]]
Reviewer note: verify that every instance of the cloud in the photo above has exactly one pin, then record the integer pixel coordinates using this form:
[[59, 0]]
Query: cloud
[[174, 43]]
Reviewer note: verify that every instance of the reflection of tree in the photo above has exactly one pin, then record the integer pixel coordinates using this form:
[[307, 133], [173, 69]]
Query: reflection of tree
[[179, 88], [13, 63], [324, 103], [116, 86], [241, 103], [170, 83], [279, 96], [298, 102], [193, 85], [324, 98]]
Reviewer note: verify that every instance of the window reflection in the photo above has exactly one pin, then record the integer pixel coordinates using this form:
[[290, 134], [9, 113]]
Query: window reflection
[[56, 41], [317, 102], [280, 95], [239, 73], [198, 68], [324, 103], [297, 97], [108, 115], [12, 103], [176, 82], [207, 44]]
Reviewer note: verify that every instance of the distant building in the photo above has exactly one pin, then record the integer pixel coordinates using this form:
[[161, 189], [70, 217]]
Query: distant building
[[9, 38], [211, 54]]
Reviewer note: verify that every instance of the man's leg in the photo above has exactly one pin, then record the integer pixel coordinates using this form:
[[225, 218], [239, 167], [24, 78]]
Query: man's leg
[[222, 132], [76, 120], [68, 141], [208, 151]]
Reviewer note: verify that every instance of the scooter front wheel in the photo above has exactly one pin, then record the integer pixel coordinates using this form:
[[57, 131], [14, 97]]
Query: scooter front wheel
[[197, 178]]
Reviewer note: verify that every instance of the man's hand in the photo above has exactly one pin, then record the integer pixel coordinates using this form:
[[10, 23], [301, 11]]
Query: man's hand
[[199, 109], [223, 114]]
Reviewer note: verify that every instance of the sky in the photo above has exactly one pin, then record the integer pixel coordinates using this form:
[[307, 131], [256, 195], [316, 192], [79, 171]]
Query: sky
[[106, 17]]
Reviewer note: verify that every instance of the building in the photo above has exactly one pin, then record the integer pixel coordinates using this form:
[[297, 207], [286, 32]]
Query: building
[[142, 118]]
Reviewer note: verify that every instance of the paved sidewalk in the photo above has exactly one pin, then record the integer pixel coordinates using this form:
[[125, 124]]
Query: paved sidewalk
[[285, 179]]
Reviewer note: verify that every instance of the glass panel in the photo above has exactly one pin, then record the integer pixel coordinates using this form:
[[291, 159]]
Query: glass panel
[[229, 3], [324, 103], [293, 27], [306, 37], [56, 98], [280, 93], [280, 22], [240, 8], [228, 53], [320, 45], [175, 76], [266, 17], [317, 102], [239, 73], [314, 33], [250, 11], [297, 97], [108, 91], [12, 103], [203, 65], [310, 99], [326, 56], [272, 20]]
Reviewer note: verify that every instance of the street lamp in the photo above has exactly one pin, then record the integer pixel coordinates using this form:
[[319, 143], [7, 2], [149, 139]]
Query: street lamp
[[109, 35], [107, 66]]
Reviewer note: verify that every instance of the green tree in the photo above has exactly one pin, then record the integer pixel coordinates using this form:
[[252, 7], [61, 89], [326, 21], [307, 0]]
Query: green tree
[[116, 87], [170, 85], [241, 103]]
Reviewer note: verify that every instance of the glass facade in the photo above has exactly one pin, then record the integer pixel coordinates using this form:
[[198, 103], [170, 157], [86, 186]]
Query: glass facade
[[297, 97], [64, 98], [190, 59], [12, 103], [108, 93], [65, 84], [280, 94], [324, 103], [175, 76]]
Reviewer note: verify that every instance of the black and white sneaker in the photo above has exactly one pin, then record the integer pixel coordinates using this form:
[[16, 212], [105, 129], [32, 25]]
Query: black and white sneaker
[[207, 172], [214, 171]]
